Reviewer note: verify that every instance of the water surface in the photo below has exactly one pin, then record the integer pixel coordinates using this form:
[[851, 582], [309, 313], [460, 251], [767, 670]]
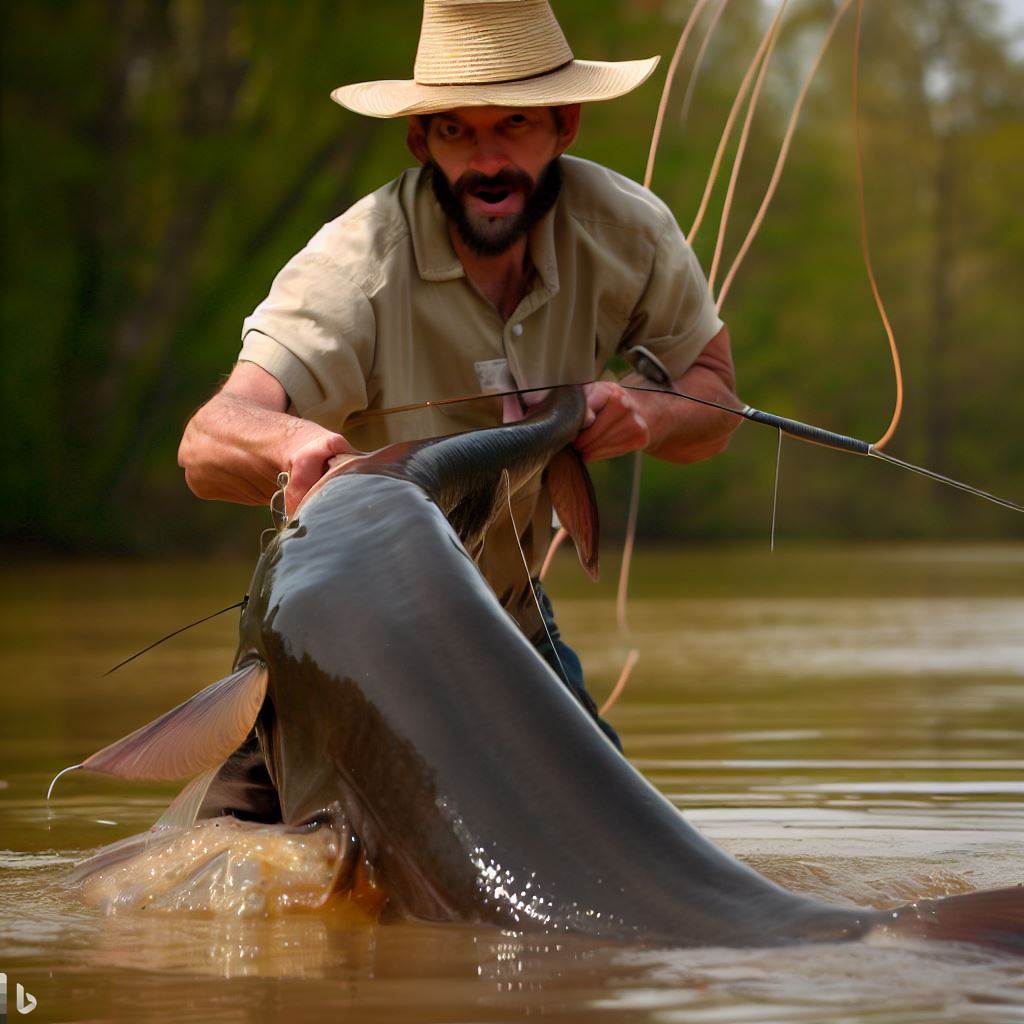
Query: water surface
[[848, 720]]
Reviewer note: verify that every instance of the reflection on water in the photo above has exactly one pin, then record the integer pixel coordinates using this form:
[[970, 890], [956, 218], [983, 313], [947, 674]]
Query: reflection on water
[[847, 721]]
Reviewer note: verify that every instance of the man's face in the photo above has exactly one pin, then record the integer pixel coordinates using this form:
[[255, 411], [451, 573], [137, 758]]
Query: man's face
[[494, 169]]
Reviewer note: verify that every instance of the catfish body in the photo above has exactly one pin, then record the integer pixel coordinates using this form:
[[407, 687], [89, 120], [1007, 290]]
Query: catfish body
[[478, 786], [394, 697]]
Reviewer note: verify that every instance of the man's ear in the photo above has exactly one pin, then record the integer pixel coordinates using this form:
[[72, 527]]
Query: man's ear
[[568, 125], [416, 139]]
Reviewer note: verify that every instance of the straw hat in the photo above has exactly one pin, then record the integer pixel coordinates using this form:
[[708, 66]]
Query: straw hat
[[509, 53]]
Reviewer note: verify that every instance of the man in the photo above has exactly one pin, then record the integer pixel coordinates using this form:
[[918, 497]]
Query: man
[[498, 263]]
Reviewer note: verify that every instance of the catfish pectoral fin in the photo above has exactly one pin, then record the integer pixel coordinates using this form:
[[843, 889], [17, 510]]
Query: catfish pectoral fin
[[572, 495], [180, 814], [184, 808], [118, 852], [193, 737]]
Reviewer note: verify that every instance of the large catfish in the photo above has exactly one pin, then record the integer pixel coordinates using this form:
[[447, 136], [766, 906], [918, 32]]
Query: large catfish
[[381, 689]]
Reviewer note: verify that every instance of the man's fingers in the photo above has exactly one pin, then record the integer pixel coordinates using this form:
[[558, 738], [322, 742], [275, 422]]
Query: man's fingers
[[611, 407], [511, 409], [616, 429], [303, 474], [515, 407], [535, 397], [612, 449], [597, 395], [308, 464], [616, 442]]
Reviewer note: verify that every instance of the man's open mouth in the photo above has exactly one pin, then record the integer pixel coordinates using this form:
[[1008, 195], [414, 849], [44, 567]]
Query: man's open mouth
[[493, 202], [492, 196]]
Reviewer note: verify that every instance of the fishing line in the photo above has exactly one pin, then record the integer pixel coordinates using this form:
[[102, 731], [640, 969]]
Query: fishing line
[[529, 579], [434, 403], [698, 62], [807, 432], [875, 453], [737, 102], [781, 160], [628, 543], [156, 643], [741, 148], [830, 439], [691, 22], [763, 51], [627, 670], [556, 543], [865, 245], [634, 496], [775, 491], [659, 118]]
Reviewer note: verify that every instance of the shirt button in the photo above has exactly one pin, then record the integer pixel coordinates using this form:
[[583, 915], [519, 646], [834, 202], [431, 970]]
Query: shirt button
[[517, 329]]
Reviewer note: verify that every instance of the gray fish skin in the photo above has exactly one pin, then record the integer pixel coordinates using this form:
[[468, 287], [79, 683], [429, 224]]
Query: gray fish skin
[[401, 690]]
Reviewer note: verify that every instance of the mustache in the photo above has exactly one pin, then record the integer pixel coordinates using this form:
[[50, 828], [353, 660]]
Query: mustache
[[507, 179], [539, 198]]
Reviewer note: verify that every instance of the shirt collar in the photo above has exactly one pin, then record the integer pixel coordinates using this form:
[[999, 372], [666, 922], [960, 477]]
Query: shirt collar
[[542, 249], [436, 259]]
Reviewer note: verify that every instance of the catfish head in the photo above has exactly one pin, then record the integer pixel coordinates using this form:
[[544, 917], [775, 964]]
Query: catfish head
[[470, 475]]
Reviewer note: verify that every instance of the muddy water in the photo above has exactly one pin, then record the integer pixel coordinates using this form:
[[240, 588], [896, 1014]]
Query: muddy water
[[848, 720]]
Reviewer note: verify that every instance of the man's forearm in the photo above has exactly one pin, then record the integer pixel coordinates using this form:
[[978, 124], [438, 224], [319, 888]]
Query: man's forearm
[[233, 449], [235, 446], [684, 431], [620, 420]]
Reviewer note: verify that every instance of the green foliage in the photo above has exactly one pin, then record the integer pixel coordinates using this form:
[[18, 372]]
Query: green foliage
[[166, 158]]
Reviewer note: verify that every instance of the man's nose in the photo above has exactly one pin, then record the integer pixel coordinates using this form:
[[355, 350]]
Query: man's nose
[[489, 157]]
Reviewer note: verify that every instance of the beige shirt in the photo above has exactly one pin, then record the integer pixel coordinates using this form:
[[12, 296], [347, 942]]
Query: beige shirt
[[377, 311]]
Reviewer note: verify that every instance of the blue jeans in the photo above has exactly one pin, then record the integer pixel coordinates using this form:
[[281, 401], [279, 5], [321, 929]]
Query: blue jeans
[[564, 660]]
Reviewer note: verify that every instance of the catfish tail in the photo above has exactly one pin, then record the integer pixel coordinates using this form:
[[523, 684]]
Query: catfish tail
[[994, 918]]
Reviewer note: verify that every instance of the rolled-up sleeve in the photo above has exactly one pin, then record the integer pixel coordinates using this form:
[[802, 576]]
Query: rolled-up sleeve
[[315, 334], [675, 316]]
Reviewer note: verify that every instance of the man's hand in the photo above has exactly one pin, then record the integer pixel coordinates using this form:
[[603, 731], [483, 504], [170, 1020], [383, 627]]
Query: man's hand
[[235, 445], [614, 423], [309, 462], [515, 407], [619, 420]]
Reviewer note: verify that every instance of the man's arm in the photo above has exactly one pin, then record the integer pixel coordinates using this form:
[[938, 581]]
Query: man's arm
[[236, 444], [620, 421]]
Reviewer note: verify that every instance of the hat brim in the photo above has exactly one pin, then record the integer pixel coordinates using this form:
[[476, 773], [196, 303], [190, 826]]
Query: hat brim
[[581, 81]]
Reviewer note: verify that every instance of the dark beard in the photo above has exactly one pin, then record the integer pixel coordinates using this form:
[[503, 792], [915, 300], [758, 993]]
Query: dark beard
[[496, 234]]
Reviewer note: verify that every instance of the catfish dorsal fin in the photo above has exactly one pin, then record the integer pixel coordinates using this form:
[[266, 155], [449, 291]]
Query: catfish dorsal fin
[[193, 737], [572, 495]]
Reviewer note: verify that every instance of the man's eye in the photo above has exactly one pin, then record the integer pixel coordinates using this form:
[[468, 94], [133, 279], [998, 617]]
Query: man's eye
[[450, 131]]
